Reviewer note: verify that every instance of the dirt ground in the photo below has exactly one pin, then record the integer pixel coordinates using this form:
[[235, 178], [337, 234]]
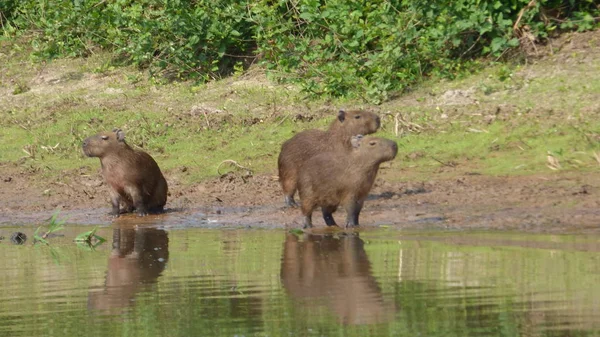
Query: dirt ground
[[554, 202]]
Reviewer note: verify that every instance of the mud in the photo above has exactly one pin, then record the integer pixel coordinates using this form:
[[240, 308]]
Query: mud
[[554, 202]]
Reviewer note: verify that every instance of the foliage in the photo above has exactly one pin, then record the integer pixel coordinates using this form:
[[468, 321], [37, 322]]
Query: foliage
[[370, 49], [335, 48], [54, 225], [89, 240], [174, 38]]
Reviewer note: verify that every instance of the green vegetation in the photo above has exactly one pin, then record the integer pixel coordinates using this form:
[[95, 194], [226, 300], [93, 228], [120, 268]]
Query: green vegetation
[[54, 225], [338, 48], [89, 239], [504, 118]]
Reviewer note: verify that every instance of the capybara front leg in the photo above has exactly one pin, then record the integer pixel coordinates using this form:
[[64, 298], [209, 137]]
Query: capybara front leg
[[115, 200]]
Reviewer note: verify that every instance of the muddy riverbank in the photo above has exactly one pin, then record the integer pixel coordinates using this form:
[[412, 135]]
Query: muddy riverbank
[[554, 202]]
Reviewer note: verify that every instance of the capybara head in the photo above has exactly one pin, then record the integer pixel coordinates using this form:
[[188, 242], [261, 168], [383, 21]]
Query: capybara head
[[104, 143], [358, 121], [374, 149]]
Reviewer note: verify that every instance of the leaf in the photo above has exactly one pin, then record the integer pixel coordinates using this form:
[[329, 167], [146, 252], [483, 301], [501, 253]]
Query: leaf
[[88, 236], [296, 231], [497, 44]]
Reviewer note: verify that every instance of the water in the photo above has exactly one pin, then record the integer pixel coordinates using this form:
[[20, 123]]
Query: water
[[146, 281]]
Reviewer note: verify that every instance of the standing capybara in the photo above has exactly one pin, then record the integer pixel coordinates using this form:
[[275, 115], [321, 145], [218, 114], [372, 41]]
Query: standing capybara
[[133, 176], [306, 144], [330, 179]]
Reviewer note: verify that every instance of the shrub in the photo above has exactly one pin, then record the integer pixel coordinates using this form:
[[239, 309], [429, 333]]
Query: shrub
[[366, 49]]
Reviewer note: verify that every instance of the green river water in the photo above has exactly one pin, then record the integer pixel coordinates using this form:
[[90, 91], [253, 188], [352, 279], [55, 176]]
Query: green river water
[[150, 281]]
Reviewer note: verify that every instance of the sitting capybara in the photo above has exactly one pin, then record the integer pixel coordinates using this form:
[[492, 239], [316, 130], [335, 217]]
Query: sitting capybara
[[306, 144], [133, 176], [330, 179]]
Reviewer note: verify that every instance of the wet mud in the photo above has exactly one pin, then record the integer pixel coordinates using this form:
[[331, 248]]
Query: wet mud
[[555, 202]]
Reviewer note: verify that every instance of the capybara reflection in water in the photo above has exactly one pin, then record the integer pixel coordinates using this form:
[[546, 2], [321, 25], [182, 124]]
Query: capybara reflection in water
[[335, 272], [308, 143], [133, 176], [331, 179]]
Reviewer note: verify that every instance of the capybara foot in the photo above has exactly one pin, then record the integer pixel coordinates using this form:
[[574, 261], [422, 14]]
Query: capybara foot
[[290, 202]]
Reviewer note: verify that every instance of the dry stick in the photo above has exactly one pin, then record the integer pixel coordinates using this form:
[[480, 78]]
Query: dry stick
[[206, 118], [443, 163], [234, 163], [521, 12], [516, 29]]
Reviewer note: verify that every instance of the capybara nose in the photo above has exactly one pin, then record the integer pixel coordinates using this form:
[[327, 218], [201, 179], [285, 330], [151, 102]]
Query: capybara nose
[[395, 147], [85, 143]]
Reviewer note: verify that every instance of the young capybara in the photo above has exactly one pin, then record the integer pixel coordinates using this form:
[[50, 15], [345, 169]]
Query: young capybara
[[306, 144], [331, 179], [133, 176]]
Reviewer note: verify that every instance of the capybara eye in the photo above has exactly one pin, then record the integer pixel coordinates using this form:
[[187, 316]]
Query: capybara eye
[[372, 142], [357, 117], [105, 137]]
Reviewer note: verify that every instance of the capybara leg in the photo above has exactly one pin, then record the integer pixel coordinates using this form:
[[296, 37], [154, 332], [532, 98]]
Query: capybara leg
[[308, 221], [115, 200], [307, 210], [352, 212], [328, 216], [137, 200], [288, 185], [128, 208], [290, 202]]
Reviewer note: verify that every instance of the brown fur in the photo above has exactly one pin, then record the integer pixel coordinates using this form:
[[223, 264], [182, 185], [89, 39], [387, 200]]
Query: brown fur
[[331, 179], [307, 144], [337, 269], [133, 176]]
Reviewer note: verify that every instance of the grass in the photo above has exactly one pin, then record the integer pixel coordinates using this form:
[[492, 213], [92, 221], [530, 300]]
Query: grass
[[504, 120]]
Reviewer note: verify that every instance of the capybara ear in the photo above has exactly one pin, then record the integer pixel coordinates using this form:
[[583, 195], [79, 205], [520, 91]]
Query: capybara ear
[[355, 141], [341, 115], [120, 134]]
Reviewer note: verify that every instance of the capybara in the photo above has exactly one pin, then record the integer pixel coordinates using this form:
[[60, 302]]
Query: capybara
[[306, 144], [133, 176], [330, 179]]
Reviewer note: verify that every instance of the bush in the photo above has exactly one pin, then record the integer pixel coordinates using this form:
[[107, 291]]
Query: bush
[[203, 38], [366, 49], [371, 48]]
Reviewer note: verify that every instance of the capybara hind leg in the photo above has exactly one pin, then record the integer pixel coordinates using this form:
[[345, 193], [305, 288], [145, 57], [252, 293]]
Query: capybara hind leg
[[352, 212], [328, 216], [137, 200], [307, 211], [307, 221], [288, 185], [290, 202]]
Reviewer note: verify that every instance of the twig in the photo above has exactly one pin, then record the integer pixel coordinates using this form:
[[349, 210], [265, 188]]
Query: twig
[[234, 163], [450, 164], [206, 117]]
